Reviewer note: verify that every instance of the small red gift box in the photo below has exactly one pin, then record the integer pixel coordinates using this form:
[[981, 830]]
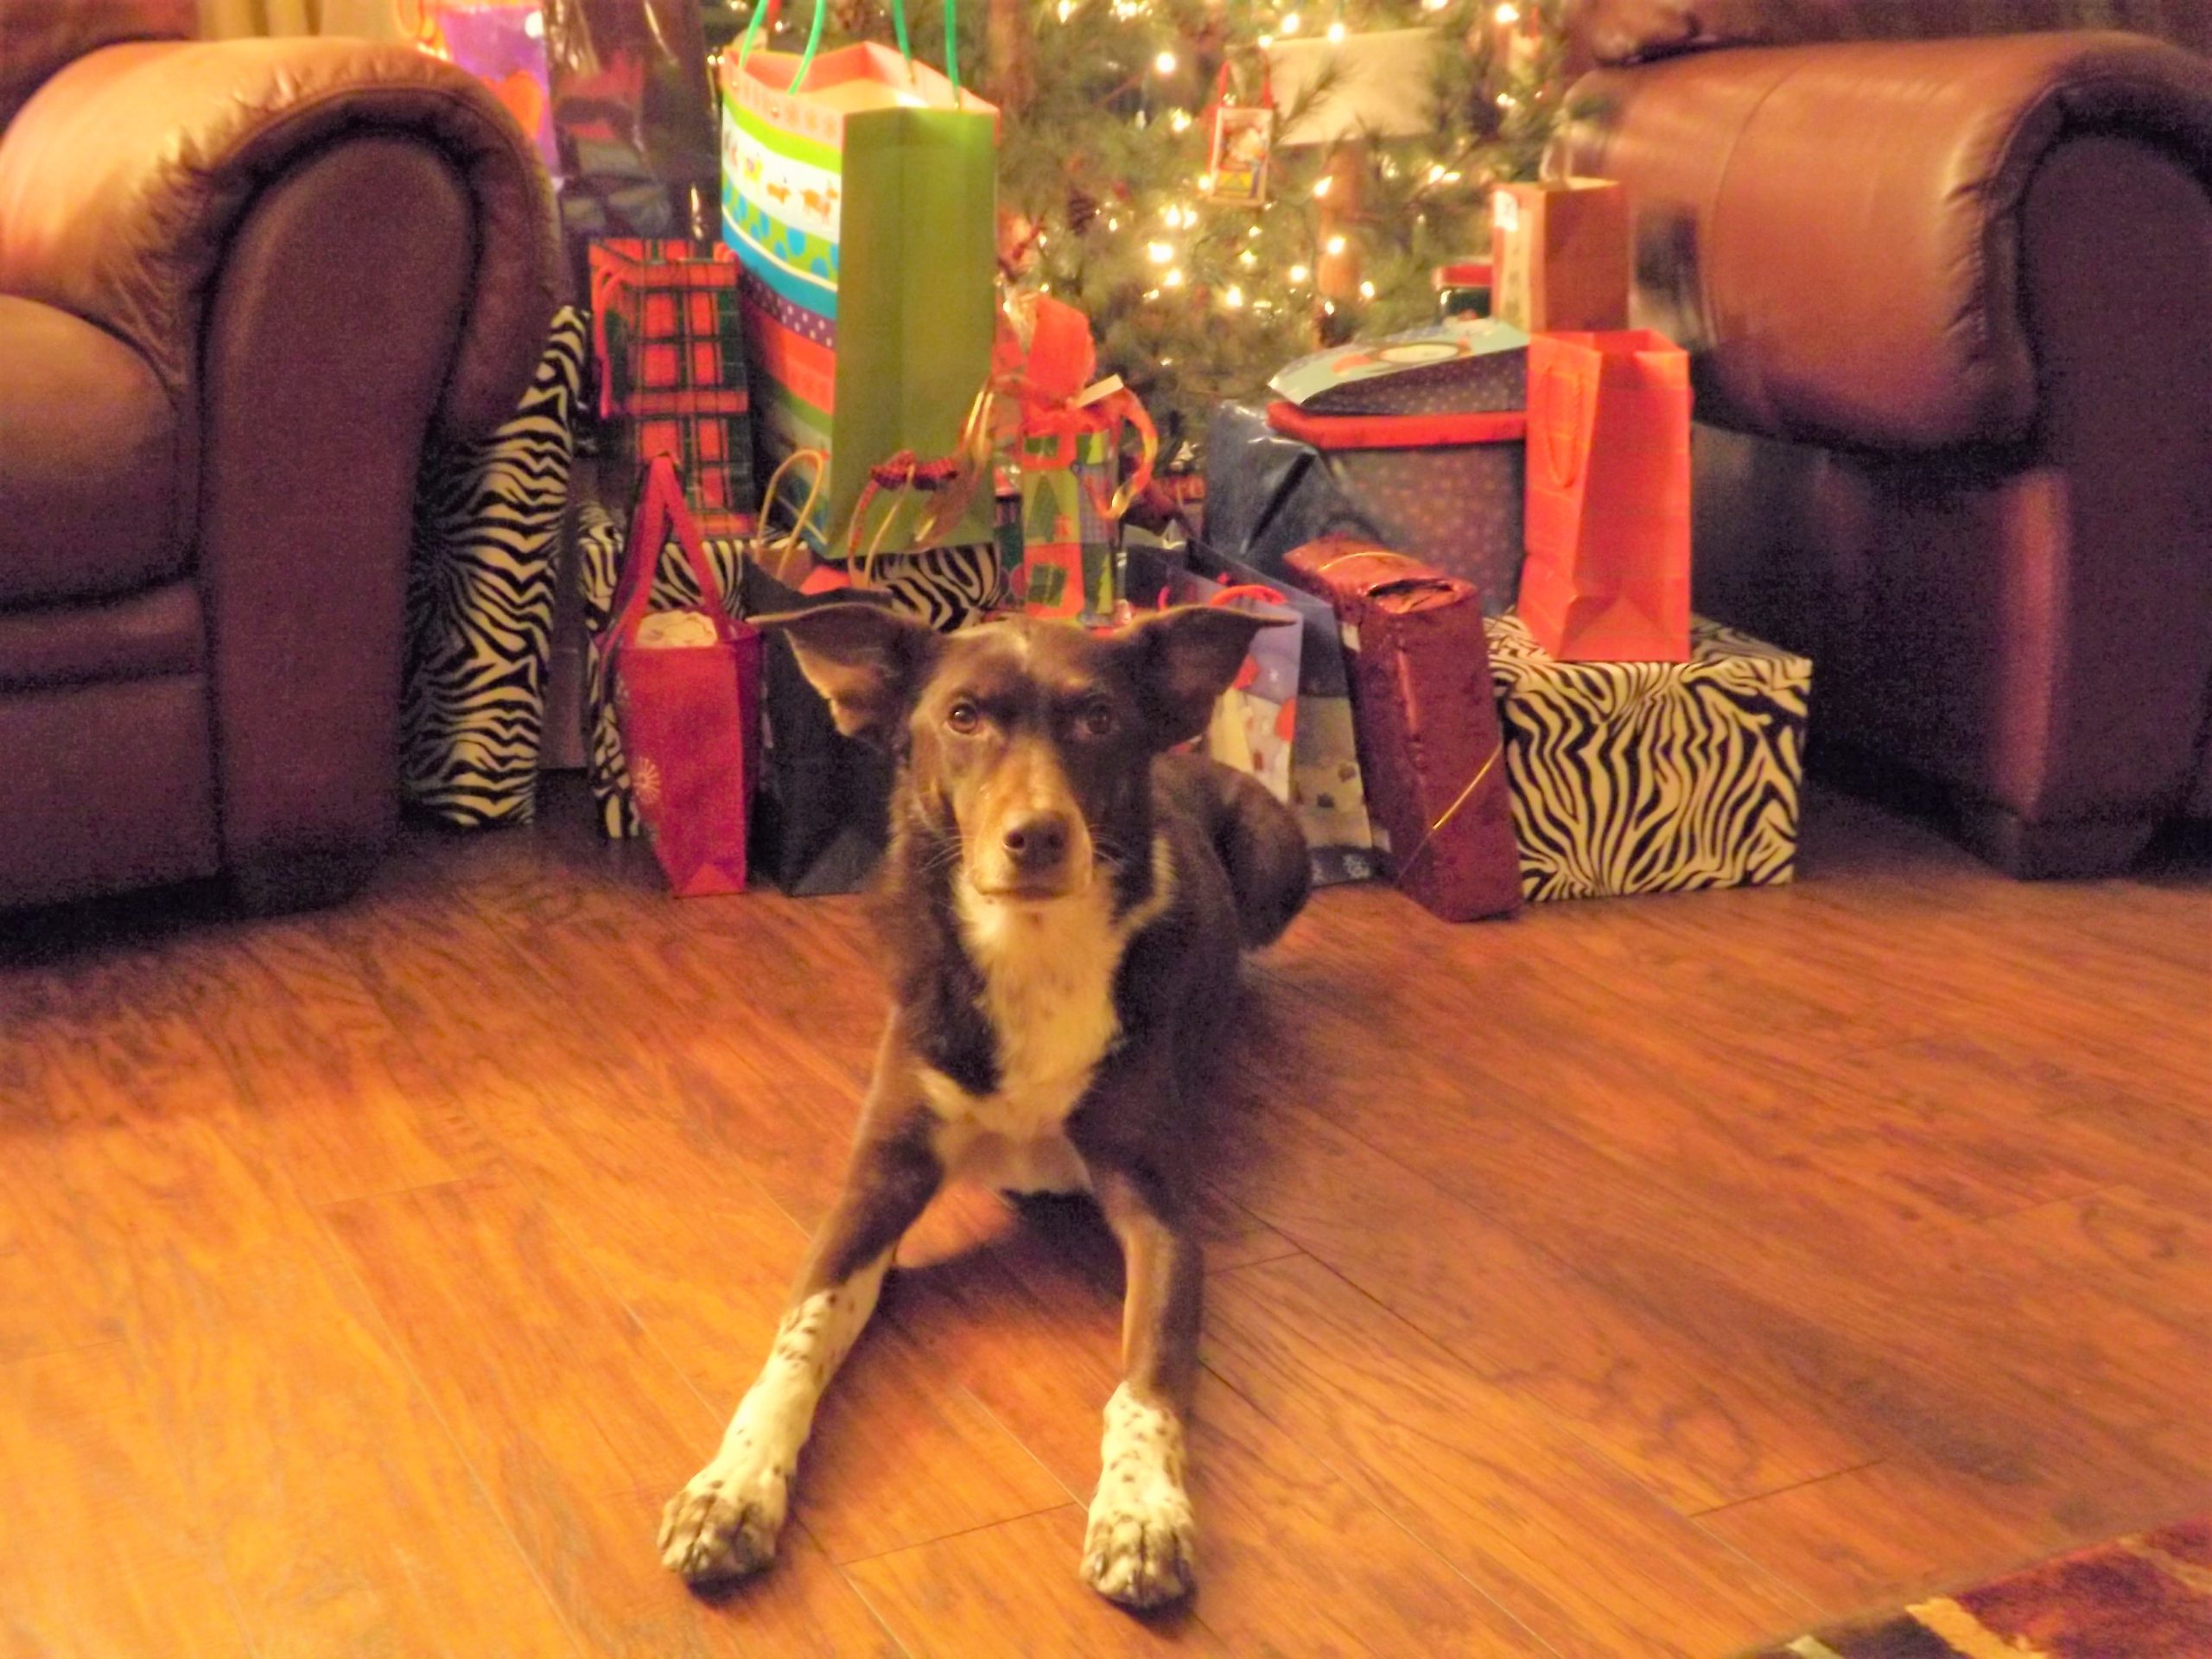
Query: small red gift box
[[1430, 747]]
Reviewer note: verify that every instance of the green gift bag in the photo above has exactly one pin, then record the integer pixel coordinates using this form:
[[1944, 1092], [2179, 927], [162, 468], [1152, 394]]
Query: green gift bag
[[859, 194]]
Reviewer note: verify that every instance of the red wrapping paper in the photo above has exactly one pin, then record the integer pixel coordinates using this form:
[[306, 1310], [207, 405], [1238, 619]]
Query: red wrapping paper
[[1430, 746]]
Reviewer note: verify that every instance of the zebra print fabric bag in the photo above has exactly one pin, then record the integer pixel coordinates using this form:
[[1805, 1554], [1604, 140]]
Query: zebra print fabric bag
[[479, 601]]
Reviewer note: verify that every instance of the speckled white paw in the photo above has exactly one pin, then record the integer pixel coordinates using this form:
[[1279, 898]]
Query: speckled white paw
[[723, 1524], [1138, 1550]]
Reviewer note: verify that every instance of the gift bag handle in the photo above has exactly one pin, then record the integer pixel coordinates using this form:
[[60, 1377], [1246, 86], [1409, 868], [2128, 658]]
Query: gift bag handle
[[661, 513], [899, 26]]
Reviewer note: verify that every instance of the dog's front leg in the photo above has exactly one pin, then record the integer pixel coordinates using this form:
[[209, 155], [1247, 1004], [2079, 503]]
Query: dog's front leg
[[724, 1523], [1138, 1548]]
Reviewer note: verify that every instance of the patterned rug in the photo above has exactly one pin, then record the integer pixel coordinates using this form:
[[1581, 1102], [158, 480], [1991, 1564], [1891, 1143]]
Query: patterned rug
[[2147, 1597]]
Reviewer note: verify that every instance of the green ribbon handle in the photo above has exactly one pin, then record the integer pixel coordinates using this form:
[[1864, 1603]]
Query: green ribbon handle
[[813, 45], [898, 23], [760, 10]]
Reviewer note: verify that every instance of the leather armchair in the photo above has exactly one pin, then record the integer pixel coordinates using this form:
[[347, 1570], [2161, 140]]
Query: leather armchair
[[242, 285], [1949, 304]]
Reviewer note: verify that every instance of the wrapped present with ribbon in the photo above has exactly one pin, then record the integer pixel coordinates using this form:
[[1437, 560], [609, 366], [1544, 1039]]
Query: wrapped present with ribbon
[[1431, 751], [1064, 432]]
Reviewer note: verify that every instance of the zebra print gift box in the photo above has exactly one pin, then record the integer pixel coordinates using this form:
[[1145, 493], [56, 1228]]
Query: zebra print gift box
[[1652, 776]]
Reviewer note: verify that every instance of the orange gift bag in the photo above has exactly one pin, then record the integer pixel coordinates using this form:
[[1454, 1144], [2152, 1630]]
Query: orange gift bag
[[1607, 518]]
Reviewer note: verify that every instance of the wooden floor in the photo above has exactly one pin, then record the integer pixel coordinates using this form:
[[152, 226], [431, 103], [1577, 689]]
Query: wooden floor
[[1635, 1278]]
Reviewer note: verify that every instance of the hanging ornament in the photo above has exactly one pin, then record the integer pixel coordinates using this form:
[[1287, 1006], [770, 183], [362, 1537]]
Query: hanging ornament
[[1243, 139]]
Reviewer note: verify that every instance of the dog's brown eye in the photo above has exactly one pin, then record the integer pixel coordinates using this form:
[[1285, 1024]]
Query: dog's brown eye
[[1097, 719], [963, 718]]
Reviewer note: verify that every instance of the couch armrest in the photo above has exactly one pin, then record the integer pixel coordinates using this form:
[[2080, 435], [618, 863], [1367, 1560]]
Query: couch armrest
[[123, 179], [1835, 231]]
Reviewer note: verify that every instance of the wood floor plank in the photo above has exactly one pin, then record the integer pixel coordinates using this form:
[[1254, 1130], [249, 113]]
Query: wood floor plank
[[1699, 1433], [1010, 1592], [1879, 1536], [355, 1110], [1820, 1292], [58, 1290], [105, 1557], [1584, 1557], [2160, 1260], [577, 1428], [1294, 1561], [346, 1520]]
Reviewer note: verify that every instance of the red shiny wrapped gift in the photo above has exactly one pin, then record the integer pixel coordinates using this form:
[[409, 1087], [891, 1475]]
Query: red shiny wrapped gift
[[1430, 746]]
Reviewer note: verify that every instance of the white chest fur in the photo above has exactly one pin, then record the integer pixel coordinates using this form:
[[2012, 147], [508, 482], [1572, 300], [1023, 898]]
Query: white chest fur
[[1048, 975]]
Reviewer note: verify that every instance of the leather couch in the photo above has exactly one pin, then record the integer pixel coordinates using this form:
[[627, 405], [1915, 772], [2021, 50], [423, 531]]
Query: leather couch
[[1949, 303], [242, 284]]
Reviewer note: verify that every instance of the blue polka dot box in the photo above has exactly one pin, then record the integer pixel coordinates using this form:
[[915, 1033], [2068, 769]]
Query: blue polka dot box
[[1415, 442]]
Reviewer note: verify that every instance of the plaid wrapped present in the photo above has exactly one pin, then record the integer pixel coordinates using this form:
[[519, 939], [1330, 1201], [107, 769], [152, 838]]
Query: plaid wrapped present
[[669, 338]]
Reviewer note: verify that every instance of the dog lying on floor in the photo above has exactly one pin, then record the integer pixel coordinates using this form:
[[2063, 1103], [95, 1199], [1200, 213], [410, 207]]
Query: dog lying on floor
[[1063, 901]]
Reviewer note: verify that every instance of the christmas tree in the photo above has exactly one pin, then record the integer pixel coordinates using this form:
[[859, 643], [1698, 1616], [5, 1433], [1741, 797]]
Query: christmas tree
[[1134, 131]]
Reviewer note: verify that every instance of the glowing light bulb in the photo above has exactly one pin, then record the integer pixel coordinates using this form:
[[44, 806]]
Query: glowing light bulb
[[1336, 32], [1290, 24], [1435, 172], [1367, 290], [1434, 5], [1152, 292], [1299, 273], [1112, 224], [1508, 13], [1321, 186], [1205, 181], [1173, 278], [1181, 120], [1161, 252], [1266, 40], [1066, 10], [1335, 244], [1505, 100], [1255, 231], [1165, 63], [1234, 299], [1248, 258], [1330, 307]]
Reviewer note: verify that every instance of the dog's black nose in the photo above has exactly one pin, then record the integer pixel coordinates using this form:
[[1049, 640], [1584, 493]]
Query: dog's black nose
[[1038, 843]]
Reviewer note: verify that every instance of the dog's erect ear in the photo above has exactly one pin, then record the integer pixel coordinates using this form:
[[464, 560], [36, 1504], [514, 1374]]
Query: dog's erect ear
[[868, 661], [1184, 659]]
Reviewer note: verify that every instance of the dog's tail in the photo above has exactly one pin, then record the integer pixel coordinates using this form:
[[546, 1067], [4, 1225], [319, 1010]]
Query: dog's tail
[[1258, 840]]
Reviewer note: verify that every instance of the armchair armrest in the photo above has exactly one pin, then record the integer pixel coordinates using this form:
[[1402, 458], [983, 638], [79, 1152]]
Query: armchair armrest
[[1835, 231], [125, 178]]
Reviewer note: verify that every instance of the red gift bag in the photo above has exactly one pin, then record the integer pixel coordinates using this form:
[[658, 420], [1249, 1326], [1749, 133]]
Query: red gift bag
[[687, 697], [1607, 577]]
